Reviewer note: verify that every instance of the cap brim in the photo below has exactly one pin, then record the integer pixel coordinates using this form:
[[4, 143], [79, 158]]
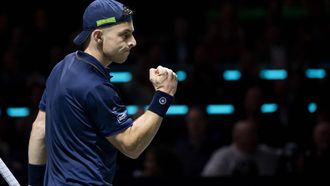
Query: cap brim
[[81, 37]]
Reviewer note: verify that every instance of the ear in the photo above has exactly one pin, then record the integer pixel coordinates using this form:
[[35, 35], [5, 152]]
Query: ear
[[97, 36]]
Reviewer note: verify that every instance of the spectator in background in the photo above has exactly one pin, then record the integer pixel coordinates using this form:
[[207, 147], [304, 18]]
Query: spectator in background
[[38, 34], [291, 160], [159, 161], [271, 50], [195, 147], [224, 35], [180, 43], [4, 30], [202, 75], [317, 158], [268, 123], [244, 157], [253, 100], [249, 68], [11, 78]]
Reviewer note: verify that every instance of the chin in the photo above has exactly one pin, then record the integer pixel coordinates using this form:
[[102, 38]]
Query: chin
[[120, 61], [120, 57]]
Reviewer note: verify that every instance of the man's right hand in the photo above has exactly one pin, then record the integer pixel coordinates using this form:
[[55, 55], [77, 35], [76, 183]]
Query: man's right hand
[[163, 79]]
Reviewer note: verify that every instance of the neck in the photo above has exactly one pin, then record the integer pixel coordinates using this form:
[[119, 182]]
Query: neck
[[99, 56]]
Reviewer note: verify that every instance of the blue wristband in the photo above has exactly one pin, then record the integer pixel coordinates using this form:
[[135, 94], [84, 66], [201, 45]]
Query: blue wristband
[[160, 103], [36, 174]]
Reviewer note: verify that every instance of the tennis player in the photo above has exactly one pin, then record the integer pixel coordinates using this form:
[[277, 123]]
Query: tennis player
[[82, 122]]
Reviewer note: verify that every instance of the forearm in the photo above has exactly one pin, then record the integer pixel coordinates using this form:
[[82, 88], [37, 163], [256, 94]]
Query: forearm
[[144, 130], [133, 141], [37, 147]]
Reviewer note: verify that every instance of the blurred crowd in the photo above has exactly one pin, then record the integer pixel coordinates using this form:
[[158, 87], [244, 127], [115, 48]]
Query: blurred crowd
[[203, 39]]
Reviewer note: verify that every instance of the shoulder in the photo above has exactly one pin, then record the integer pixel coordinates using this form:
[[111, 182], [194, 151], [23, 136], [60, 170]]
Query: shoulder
[[223, 152], [102, 86], [268, 152], [102, 91], [60, 64]]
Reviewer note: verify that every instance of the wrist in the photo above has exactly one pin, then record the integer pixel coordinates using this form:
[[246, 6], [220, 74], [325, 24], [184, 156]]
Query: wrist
[[169, 92], [160, 103], [36, 174]]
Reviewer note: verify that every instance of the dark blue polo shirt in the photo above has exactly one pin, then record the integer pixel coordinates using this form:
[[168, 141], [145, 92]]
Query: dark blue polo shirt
[[82, 109]]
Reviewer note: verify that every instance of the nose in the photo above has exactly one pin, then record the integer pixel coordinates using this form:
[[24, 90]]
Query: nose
[[132, 42]]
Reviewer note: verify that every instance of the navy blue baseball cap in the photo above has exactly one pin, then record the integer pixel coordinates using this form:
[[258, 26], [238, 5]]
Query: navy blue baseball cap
[[102, 13]]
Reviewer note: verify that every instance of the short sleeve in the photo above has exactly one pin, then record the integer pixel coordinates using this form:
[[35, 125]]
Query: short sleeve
[[42, 103], [107, 110]]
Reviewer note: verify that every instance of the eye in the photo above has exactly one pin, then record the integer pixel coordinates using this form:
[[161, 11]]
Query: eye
[[125, 35]]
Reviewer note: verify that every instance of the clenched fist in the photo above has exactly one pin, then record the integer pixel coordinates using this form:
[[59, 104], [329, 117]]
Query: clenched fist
[[163, 79]]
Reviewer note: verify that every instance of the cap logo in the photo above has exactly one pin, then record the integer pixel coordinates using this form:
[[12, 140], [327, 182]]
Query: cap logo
[[105, 21]]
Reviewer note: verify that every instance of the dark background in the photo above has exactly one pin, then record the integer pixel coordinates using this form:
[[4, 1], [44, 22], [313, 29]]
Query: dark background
[[220, 35]]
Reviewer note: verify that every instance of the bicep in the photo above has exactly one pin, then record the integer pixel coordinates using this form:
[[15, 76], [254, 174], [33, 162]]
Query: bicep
[[107, 111], [133, 140], [39, 122]]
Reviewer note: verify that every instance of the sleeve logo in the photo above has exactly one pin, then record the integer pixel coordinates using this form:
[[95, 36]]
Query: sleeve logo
[[122, 117]]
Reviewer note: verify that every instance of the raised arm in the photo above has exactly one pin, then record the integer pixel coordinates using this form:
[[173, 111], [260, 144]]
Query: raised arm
[[135, 139]]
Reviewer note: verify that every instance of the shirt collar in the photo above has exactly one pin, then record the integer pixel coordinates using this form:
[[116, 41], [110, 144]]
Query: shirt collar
[[87, 58]]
